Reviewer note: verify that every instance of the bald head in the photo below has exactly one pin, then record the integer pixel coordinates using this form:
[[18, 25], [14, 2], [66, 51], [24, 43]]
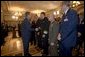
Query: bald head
[[51, 17]]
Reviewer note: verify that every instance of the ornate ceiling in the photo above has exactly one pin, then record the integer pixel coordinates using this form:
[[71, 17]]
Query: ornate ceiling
[[8, 7], [31, 5]]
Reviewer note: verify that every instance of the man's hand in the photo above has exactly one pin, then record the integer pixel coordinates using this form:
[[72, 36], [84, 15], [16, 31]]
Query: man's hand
[[79, 34], [38, 33], [43, 36], [36, 29], [59, 36], [52, 44]]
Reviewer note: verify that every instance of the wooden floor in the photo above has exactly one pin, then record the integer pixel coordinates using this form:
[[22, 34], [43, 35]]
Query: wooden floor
[[14, 47]]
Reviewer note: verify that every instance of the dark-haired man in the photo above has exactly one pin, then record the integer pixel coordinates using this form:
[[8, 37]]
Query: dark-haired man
[[26, 33]]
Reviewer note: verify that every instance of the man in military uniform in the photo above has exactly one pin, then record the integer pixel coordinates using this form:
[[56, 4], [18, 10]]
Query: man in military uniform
[[43, 28]]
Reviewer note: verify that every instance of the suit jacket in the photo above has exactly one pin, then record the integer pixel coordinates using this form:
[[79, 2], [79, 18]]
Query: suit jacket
[[26, 29], [68, 28]]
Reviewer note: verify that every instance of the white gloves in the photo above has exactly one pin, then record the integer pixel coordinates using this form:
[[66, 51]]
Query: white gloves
[[45, 32]]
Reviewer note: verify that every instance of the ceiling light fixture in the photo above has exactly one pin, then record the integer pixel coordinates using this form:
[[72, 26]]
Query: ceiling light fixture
[[37, 12]]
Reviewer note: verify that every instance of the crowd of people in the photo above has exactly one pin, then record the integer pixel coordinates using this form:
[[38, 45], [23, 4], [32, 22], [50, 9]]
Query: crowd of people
[[54, 36]]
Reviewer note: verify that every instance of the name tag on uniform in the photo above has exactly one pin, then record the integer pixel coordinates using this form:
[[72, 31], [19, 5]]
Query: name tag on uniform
[[66, 19]]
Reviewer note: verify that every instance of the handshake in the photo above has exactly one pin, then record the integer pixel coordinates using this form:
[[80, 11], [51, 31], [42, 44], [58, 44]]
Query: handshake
[[37, 29]]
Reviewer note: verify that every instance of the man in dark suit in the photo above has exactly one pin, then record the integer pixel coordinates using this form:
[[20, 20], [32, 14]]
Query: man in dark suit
[[68, 29], [26, 33]]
